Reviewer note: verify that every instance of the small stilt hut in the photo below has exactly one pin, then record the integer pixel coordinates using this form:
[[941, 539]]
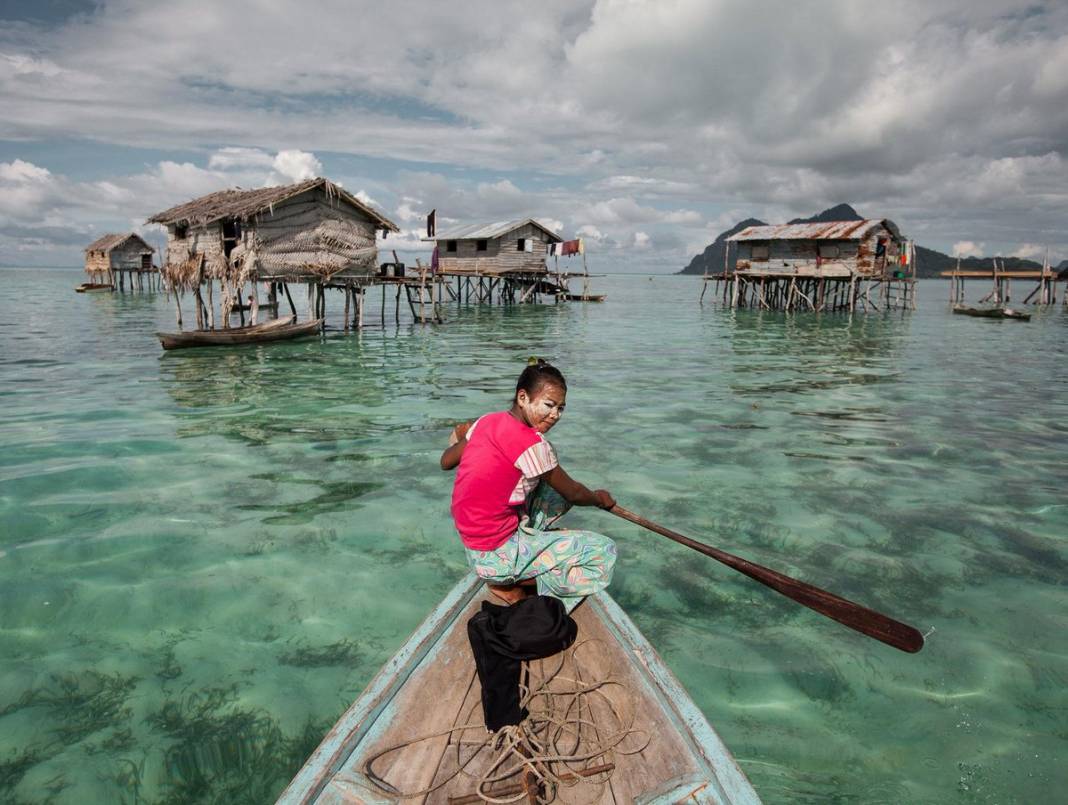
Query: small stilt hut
[[313, 232], [831, 265], [118, 259], [506, 258]]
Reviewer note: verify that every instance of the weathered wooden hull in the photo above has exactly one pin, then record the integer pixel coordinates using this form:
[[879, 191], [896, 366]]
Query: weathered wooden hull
[[588, 297], [277, 330], [94, 287], [991, 312], [430, 685]]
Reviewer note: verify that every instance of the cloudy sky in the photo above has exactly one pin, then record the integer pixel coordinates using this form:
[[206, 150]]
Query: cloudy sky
[[645, 126]]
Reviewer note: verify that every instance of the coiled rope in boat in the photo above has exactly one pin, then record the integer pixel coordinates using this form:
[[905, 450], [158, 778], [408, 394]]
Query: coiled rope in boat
[[572, 735]]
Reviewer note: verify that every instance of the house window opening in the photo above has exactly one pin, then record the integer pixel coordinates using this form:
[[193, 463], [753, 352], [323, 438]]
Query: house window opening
[[450, 245], [480, 245], [231, 235]]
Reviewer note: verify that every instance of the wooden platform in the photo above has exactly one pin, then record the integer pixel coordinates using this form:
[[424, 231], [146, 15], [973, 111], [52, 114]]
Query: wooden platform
[[431, 685]]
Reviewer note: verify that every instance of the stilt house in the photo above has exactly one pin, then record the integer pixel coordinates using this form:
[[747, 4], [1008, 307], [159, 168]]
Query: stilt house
[[497, 248], [312, 232], [831, 249], [829, 265], [113, 253]]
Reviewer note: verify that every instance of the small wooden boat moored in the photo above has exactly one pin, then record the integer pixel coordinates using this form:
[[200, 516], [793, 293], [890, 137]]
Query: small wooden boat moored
[[992, 312], [282, 329], [418, 727], [585, 297], [94, 287]]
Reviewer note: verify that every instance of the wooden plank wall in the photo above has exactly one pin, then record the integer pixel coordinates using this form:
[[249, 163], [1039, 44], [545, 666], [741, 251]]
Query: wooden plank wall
[[128, 256], [501, 254], [855, 256]]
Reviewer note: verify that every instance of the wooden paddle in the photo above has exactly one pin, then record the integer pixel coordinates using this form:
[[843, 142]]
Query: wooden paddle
[[866, 621]]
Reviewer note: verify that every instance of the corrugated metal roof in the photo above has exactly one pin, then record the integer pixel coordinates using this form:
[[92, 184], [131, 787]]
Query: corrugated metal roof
[[828, 230], [494, 230]]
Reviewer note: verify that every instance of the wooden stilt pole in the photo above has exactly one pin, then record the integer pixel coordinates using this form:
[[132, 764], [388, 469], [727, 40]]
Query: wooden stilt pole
[[211, 305]]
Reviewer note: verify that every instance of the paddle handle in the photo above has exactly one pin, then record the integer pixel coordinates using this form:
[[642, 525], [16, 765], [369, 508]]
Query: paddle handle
[[866, 621]]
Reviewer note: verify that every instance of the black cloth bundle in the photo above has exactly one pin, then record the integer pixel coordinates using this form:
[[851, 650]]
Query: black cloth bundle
[[502, 637]]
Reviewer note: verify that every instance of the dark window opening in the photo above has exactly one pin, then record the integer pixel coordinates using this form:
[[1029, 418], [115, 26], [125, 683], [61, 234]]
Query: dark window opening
[[180, 231], [480, 245], [231, 235], [521, 245], [450, 245]]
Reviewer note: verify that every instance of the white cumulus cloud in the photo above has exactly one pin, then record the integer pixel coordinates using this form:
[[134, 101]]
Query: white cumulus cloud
[[294, 166], [967, 248]]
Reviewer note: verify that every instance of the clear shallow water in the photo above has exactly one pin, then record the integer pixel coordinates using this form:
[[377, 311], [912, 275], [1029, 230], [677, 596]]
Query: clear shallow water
[[205, 556]]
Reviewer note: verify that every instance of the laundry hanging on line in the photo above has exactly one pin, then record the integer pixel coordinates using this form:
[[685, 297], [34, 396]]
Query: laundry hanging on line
[[567, 248]]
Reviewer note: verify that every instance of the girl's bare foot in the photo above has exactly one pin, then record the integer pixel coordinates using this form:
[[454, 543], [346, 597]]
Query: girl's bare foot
[[508, 593]]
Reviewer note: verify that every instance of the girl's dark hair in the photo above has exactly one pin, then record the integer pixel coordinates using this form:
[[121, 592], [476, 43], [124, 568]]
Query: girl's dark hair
[[537, 374]]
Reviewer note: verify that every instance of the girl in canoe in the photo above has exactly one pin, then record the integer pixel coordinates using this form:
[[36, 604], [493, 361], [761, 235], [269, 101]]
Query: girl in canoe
[[510, 489]]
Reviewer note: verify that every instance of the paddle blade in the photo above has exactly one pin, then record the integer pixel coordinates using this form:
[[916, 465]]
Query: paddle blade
[[859, 618]]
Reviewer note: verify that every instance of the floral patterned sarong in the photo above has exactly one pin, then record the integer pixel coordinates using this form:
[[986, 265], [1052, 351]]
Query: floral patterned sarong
[[568, 564]]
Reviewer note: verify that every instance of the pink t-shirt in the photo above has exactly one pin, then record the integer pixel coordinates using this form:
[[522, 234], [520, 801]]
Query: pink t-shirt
[[500, 465]]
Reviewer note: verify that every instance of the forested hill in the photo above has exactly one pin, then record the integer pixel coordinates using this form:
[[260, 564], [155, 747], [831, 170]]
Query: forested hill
[[711, 259], [929, 263]]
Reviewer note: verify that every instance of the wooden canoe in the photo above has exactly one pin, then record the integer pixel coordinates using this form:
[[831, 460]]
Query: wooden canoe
[[584, 297], [992, 312], [430, 685], [281, 329], [94, 287]]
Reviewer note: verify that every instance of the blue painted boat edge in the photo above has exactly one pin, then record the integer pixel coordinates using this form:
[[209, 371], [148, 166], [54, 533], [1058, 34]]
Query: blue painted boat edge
[[350, 730], [734, 785]]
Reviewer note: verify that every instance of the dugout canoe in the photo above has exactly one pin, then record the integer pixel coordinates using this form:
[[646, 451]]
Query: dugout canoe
[[282, 329], [992, 312], [585, 297], [430, 685], [94, 287]]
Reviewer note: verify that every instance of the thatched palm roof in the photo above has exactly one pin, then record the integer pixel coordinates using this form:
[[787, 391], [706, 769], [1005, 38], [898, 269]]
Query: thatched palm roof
[[107, 243], [245, 204]]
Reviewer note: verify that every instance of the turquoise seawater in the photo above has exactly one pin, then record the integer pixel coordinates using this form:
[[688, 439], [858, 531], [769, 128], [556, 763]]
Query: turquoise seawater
[[205, 556]]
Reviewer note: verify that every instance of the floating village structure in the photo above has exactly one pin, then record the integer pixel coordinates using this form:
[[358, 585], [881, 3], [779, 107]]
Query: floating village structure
[[115, 260], [1044, 292], [313, 233], [836, 265], [506, 258]]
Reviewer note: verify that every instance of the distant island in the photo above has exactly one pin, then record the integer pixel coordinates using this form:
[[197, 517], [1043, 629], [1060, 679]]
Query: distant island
[[929, 263]]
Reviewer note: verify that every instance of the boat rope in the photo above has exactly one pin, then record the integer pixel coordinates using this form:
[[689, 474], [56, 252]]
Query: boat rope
[[574, 729]]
